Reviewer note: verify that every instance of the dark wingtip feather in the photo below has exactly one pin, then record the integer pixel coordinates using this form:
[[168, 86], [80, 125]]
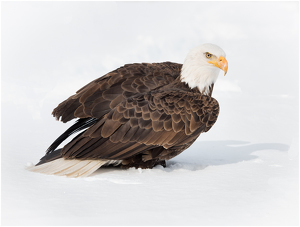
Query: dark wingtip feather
[[80, 124], [50, 156]]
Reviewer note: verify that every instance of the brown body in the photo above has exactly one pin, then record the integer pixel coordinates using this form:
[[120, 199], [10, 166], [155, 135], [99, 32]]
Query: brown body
[[140, 114]]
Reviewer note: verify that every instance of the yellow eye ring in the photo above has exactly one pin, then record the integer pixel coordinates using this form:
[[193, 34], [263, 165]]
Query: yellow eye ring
[[208, 55]]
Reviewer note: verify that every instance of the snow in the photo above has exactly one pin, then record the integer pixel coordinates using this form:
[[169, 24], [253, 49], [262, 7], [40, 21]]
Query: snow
[[244, 171]]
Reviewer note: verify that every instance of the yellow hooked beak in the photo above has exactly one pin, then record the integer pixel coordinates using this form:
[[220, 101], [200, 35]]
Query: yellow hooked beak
[[220, 63]]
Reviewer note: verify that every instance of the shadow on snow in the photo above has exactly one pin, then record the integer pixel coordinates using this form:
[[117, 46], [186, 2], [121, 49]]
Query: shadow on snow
[[211, 153]]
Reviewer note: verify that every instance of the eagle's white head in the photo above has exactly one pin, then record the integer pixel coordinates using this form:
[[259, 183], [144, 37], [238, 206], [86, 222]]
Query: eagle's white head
[[202, 66]]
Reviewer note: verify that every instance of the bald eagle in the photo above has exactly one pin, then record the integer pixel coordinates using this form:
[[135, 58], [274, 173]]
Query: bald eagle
[[139, 115]]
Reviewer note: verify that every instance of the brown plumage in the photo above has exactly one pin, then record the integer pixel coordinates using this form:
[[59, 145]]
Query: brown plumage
[[138, 115]]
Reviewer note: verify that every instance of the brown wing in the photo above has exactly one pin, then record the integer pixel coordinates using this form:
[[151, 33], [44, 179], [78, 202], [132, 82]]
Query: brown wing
[[169, 118], [103, 94]]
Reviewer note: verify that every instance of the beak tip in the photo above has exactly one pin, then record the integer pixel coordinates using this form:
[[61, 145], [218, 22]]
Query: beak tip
[[223, 64]]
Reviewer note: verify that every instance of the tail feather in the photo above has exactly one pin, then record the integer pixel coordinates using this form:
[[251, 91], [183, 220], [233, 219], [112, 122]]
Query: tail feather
[[86, 170], [69, 167]]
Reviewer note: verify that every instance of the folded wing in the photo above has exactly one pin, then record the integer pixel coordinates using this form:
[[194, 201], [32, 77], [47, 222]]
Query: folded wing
[[168, 118]]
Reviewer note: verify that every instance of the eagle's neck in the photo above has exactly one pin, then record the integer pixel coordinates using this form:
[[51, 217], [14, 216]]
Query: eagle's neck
[[201, 76]]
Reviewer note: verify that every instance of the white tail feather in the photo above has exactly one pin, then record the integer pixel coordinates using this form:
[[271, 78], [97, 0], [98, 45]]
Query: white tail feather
[[70, 167]]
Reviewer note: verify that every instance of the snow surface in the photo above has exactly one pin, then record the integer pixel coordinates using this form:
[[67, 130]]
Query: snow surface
[[244, 171]]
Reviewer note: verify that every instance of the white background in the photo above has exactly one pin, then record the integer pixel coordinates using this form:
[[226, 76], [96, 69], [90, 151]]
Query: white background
[[243, 171]]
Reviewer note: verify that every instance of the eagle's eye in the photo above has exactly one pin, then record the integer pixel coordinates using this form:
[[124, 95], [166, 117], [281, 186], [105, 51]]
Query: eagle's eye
[[208, 55]]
